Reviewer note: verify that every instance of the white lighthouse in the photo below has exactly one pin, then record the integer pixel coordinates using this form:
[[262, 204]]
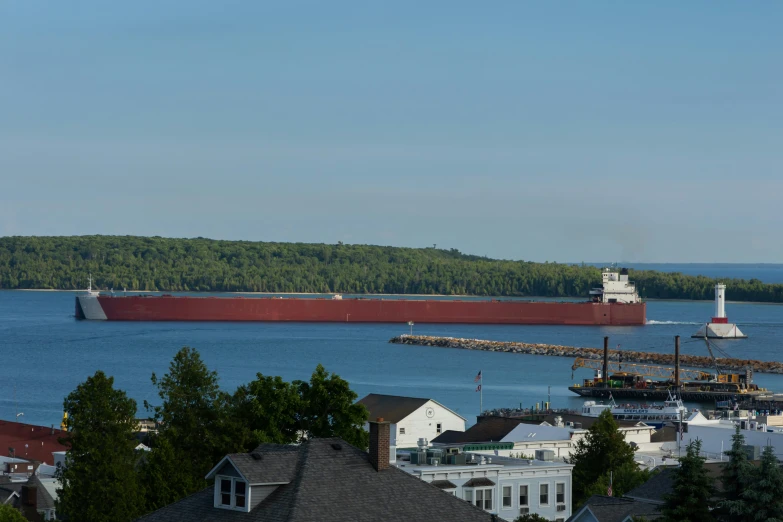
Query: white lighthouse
[[720, 327]]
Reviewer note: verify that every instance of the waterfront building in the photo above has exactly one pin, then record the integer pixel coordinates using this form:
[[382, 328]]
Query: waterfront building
[[412, 418]]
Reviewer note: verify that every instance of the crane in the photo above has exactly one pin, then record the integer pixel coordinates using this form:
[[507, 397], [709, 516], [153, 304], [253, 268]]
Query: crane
[[666, 372]]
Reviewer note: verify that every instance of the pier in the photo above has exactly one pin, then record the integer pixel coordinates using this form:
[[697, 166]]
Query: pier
[[553, 350]]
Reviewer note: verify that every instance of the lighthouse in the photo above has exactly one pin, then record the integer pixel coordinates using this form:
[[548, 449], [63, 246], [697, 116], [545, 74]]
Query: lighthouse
[[720, 327]]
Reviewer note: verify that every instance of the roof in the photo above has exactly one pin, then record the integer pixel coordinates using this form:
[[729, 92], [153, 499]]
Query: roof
[[444, 484], [613, 509], [267, 464], [478, 482], [488, 430], [46, 491], [394, 408], [528, 433], [569, 417], [330, 485], [41, 441], [661, 483]]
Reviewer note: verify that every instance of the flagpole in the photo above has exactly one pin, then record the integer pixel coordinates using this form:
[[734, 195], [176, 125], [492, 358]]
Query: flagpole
[[481, 394]]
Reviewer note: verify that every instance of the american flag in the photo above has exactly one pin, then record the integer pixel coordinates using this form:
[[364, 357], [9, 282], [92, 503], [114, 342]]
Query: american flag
[[478, 377]]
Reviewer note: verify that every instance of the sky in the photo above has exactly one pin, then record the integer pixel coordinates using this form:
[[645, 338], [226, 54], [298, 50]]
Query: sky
[[544, 131]]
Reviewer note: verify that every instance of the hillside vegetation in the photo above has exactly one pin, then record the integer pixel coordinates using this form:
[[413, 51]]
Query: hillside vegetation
[[155, 263]]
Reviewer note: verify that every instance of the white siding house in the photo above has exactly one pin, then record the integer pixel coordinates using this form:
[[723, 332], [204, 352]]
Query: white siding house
[[412, 418]]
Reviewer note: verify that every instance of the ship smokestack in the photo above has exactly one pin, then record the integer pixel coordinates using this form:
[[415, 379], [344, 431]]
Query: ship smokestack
[[677, 361], [606, 362]]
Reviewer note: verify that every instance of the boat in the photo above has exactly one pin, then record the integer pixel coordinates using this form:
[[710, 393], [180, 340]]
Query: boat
[[655, 415], [615, 303]]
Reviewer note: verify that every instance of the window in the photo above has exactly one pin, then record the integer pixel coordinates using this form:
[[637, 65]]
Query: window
[[543, 490], [560, 492], [402, 431], [506, 496], [232, 493], [522, 496], [438, 428], [469, 495], [484, 499]]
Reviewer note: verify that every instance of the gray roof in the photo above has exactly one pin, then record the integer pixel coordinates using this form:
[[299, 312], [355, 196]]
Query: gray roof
[[489, 429], [444, 484], [267, 464], [330, 484], [613, 509], [391, 408], [655, 488], [478, 482]]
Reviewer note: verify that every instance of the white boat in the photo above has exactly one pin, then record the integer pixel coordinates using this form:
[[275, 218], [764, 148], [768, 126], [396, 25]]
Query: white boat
[[651, 414]]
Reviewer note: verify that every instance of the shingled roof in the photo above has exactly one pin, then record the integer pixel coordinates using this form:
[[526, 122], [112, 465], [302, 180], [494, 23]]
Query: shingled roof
[[612, 509], [392, 408], [327, 485], [490, 429]]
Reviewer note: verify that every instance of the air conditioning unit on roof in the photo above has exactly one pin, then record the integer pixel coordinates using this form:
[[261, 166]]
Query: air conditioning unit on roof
[[524, 511]]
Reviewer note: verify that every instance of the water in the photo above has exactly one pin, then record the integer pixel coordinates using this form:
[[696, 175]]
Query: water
[[46, 353]]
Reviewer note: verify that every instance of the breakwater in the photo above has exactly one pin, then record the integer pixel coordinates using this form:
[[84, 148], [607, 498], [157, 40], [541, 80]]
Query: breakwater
[[554, 350]]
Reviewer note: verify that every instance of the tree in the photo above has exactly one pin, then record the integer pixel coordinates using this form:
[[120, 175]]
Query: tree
[[272, 410], [602, 450], [736, 477], [623, 479], [99, 480], [329, 409], [692, 490], [9, 514], [765, 492], [530, 517], [193, 430]]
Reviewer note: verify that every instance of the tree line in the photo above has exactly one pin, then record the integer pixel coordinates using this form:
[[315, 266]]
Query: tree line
[[205, 265], [107, 479]]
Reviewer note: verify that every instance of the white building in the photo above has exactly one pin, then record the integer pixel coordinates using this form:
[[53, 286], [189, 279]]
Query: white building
[[412, 418], [715, 435], [512, 437], [503, 486]]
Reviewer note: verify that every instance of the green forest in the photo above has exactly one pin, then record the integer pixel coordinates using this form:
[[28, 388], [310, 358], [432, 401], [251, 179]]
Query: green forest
[[206, 265]]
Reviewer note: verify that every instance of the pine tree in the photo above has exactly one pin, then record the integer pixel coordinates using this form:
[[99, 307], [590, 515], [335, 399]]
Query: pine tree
[[765, 492], [193, 434], [99, 480], [736, 477], [692, 490]]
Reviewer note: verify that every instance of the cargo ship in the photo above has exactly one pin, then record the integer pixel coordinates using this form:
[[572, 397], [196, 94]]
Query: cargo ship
[[615, 303]]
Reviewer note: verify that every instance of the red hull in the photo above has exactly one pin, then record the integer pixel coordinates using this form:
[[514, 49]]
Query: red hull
[[169, 308]]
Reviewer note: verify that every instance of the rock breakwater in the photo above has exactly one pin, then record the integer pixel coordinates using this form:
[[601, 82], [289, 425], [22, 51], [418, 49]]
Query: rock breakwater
[[554, 350]]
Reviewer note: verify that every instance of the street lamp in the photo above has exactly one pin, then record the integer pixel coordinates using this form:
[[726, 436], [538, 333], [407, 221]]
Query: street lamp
[[410, 323]]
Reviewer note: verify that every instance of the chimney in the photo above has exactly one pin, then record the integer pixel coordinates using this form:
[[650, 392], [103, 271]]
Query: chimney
[[379, 444], [30, 496]]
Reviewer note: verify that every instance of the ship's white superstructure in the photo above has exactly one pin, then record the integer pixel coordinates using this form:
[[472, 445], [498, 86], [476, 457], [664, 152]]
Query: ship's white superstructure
[[616, 288], [652, 414]]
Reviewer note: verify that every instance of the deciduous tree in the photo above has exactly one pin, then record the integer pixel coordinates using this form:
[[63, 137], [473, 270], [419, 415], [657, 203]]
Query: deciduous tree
[[9, 514], [603, 449]]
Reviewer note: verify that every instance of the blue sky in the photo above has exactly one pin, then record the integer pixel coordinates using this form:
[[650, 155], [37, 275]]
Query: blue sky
[[545, 131]]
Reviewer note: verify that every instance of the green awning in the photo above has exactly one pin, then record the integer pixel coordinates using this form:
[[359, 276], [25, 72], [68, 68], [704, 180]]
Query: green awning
[[489, 446]]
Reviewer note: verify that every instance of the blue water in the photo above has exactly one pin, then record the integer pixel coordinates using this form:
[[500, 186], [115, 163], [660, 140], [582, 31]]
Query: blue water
[[46, 353], [764, 272]]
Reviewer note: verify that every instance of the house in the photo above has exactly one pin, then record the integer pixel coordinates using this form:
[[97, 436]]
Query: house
[[35, 498], [599, 508], [507, 487], [320, 480], [412, 418], [517, 436]]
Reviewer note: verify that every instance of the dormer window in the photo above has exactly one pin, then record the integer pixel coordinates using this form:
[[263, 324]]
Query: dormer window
[[232, 493]]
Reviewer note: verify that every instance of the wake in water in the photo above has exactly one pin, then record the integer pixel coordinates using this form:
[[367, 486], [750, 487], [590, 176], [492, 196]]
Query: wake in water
[[652, 321]]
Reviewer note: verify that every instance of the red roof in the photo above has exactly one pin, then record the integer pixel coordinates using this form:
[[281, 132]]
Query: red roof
[[41, 441]]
